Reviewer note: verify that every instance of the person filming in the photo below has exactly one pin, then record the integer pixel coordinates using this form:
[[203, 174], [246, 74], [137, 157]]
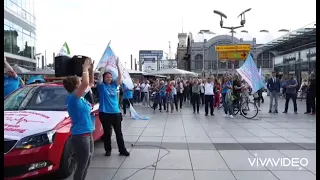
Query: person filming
[[79, 110], [109, 111]]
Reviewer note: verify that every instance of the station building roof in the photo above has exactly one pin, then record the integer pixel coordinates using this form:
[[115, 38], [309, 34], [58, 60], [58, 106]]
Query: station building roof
[[297, 38]]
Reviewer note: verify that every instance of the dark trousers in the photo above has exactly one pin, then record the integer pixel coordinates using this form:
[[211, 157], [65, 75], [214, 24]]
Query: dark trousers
[[136, 96], [260, 96], [163, 103], [294, 100], [202, 98], [141, 96], [180, 98], [108, 121], [156, 101], [311, 103], [208, 99], [125, 104], [195, 98], [175, 100], [83, 148]]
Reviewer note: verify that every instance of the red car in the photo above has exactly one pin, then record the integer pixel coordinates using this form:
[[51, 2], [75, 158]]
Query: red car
[[37, 131]]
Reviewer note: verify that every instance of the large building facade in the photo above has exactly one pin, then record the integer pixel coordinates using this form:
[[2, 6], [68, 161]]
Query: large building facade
[[201, 57], [20, 33]]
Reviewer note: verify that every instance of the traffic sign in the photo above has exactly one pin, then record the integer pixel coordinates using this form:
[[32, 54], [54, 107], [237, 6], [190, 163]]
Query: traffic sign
[[233, 48], [233, 55]]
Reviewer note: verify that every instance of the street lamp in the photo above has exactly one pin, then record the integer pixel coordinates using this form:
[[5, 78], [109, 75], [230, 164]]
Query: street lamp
[[232, 28], [38, 57], [203, 32]]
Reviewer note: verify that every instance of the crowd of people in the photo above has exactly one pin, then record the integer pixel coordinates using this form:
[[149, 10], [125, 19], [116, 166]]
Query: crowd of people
[[211, 92]]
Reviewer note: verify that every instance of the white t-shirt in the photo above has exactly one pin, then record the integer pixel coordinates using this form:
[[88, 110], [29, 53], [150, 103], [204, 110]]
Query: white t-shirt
[[145, 88], [208, 88], [137, 86]]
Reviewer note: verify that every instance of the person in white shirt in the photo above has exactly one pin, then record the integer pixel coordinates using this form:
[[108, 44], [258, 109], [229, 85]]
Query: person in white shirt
[[174, 92], [145, 92], [208, 96]]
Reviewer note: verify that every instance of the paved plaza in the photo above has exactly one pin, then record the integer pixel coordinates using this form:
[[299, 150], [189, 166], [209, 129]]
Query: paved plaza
[[198, 147], [207, 148]]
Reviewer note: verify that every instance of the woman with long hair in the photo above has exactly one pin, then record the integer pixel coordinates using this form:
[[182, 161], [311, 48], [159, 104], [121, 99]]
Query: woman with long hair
[[226, 88], [79, 110]]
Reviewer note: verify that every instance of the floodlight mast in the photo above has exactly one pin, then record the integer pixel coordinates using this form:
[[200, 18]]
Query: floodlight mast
[[232, 28]]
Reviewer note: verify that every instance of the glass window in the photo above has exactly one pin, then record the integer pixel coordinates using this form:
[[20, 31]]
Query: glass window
[[19, 11], [24, 14], [20, 44], [7, 22], [9, 5], [23, 4], [48, 98], [28, 17], [14, 1], [14, 35], [27, 6], [5, 3], [7, 39], [27, 47], [19, 3], [266, 64], [17, 27], [14, 8], [14, 101]]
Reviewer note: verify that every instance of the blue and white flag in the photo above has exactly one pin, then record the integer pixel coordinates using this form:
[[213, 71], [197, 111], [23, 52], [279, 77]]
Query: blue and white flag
[[108, 61], [249, 72], [135, 115]]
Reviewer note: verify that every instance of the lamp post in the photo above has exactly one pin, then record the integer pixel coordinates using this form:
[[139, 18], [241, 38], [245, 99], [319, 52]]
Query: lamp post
[[38, 58], [203, 32], [232, 28]]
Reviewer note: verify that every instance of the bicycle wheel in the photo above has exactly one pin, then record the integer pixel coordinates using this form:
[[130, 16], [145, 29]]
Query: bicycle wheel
[[249, 110], [235, 110]]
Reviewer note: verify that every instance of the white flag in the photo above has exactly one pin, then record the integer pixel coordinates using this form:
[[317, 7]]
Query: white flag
[[64, 51]]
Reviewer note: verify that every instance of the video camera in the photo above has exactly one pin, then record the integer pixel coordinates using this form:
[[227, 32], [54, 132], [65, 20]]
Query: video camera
[[67, 66]]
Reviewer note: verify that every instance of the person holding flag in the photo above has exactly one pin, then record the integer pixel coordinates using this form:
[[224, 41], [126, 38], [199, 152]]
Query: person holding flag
[[11, 80], [109, 111]]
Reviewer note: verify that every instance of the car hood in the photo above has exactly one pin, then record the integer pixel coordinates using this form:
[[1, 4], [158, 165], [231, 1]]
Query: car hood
[[20, 124]]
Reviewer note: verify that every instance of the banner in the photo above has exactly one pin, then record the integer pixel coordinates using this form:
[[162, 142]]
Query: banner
[[108, 61], [135, 115], [64, 51], [249, 72]]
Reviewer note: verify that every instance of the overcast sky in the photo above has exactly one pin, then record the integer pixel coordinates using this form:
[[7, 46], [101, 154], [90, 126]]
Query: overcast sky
[[88, 26]]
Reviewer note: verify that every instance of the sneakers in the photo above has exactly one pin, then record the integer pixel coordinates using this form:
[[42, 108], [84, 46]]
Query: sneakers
[[225, 115], [231, 116], [108, 153]]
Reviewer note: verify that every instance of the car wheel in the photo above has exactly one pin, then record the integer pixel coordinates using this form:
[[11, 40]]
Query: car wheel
[[67, 162]]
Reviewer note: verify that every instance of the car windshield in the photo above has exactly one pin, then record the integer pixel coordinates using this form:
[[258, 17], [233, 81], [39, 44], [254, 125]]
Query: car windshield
[[43, 98]]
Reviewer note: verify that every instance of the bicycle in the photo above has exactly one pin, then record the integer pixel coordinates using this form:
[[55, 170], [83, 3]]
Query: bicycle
[[246, 107]]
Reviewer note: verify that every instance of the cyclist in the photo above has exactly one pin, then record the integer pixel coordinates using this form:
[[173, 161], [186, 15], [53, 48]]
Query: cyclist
[[237, 87]]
